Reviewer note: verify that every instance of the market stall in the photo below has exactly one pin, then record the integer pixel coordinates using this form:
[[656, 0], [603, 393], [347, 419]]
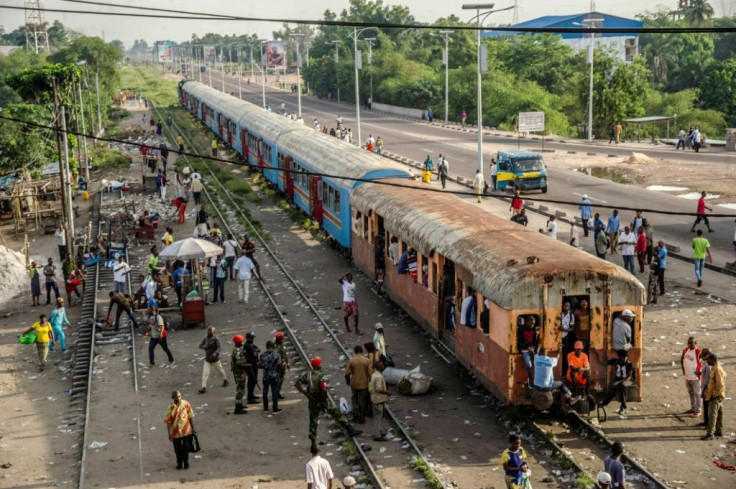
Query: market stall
[[193, 250]]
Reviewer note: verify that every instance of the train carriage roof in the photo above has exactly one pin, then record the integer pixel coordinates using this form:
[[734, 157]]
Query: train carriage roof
[[337, 157], [508, 261], [332, 156]]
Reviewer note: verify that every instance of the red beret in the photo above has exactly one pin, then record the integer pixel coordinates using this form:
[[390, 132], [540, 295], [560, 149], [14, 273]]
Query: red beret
[[279, 335], [238, 338], [316, 362]]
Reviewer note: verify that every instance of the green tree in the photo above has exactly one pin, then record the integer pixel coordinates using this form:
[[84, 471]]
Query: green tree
[[23, 146], [718, 89], [698, 13], [660, 55], [12, 64], [725, 43]]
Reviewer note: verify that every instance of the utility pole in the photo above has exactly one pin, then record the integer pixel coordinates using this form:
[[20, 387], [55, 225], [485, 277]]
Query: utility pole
[[337, 60], [99, 109], [298, 73], [84, 131], [65, 208], [370, 40], [240, 75], [222, 67], [446, 62], [358, 64], [68, 187]]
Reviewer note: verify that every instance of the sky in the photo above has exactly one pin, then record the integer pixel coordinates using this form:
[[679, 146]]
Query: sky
[[129, 29]]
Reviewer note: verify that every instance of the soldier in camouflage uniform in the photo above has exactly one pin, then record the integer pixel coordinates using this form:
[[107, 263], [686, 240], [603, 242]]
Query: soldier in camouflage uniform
[[237, 365], [280, 348], [313, 385]]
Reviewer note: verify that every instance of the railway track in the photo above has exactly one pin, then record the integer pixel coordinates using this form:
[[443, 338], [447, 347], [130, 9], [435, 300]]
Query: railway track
[[408, 447], [89, 377]]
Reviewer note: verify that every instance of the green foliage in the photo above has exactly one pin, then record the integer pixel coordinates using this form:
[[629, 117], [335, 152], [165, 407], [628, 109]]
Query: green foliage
[[718, 90], [35, 85], [104, 157], [22, 145], [10, 65], [421, 465]]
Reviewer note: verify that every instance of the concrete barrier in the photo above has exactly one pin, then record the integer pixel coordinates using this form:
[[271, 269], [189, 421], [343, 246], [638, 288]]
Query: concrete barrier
[[560, 214], [400, 111]]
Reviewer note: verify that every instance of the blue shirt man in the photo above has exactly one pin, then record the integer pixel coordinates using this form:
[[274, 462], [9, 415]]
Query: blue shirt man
[[544, 375], [178, 275], [614, 223], [662, 256], [597, 225]]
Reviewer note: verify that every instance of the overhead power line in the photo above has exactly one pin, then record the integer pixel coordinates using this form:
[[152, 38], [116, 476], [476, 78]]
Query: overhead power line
[[341, 177], [391, 25]]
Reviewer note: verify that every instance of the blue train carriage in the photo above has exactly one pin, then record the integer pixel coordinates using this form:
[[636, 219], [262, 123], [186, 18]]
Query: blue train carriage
[[324, 171]]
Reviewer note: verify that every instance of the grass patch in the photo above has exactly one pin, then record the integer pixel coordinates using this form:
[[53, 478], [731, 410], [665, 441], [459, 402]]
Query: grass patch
[[348, 448], [149, 81], [564, 462], [421, 465], [104, 157], [584, 480]]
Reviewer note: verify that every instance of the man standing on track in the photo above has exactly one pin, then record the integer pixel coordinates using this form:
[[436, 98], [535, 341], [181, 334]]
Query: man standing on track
[[691, 369], [319, 472], [349, 302], [280, 348], [613, 466], [211, 347], [250, 350], [379, 397], [313, 386], [269, 361], [715, 395], [358, 376], [231, 254], [119, 271], [238, 367], [244, 266], [700, 212], [179, 421]]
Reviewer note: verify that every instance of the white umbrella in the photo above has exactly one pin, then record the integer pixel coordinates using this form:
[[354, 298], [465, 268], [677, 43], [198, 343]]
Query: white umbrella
[[190, 249]]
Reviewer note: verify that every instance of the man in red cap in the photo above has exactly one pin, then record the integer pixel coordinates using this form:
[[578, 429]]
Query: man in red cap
[[238, 366], [578, 370], [280, 348], [312, 384]]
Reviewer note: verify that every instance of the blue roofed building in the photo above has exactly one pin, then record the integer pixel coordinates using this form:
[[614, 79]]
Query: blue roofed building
[[622, 45]]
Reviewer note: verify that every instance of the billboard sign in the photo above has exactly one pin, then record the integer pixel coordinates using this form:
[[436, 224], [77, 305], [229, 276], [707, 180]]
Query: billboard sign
[[165, 51], [531, 121], [276, 55]]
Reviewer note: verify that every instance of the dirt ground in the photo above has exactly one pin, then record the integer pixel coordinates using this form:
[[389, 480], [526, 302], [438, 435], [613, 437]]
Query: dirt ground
[[681, 176]]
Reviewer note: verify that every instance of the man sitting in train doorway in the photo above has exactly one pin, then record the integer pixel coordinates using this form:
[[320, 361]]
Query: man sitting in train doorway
[[544, 379], [623, 378], [578, 369]]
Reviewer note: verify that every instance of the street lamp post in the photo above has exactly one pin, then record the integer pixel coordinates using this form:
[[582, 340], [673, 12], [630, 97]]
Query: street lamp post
[[479, 98], [446, 62], [337, 60], [370, 40], [298, 73], [240, 74], [263, 73], [591, 23], [222, 67], [358, 65]]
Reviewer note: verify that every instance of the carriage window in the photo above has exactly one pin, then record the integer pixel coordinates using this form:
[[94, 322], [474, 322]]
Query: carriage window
[[434, 277], [619, 334], [357, 222], [331, 199], [366, 229]]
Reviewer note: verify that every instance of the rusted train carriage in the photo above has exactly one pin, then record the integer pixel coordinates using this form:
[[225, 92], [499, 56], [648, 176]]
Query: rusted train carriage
[[519, 272]]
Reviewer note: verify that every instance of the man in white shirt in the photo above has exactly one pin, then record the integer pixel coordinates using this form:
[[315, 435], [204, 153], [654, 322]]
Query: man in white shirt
[[319, 472], [150, 285], [627, 242], [196, 175], [244, 266], [478, 183], [551, 230], [119, 271], [622, 330], [494, 173], [231, 251], [61, 241], [349, 302], [379, 396]]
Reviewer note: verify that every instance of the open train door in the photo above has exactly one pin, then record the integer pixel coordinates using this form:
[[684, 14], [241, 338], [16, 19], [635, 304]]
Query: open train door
[[219, 125], [315, 198], [229, 134], [260, 153], [203, 112], [288, 177], [244, 149]]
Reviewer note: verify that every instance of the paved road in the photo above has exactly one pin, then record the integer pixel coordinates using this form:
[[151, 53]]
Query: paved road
[[415, 140]]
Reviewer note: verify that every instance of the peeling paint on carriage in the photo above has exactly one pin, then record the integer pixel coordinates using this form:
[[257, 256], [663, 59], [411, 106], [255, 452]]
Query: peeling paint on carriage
[[495, 250], [519, 271]]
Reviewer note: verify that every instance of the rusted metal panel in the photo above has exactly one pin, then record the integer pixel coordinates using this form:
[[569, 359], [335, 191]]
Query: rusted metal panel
[[508, 261]]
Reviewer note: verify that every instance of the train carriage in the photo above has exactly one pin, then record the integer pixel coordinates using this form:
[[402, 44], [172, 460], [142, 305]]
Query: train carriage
[[315, 171], [515, 271]]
